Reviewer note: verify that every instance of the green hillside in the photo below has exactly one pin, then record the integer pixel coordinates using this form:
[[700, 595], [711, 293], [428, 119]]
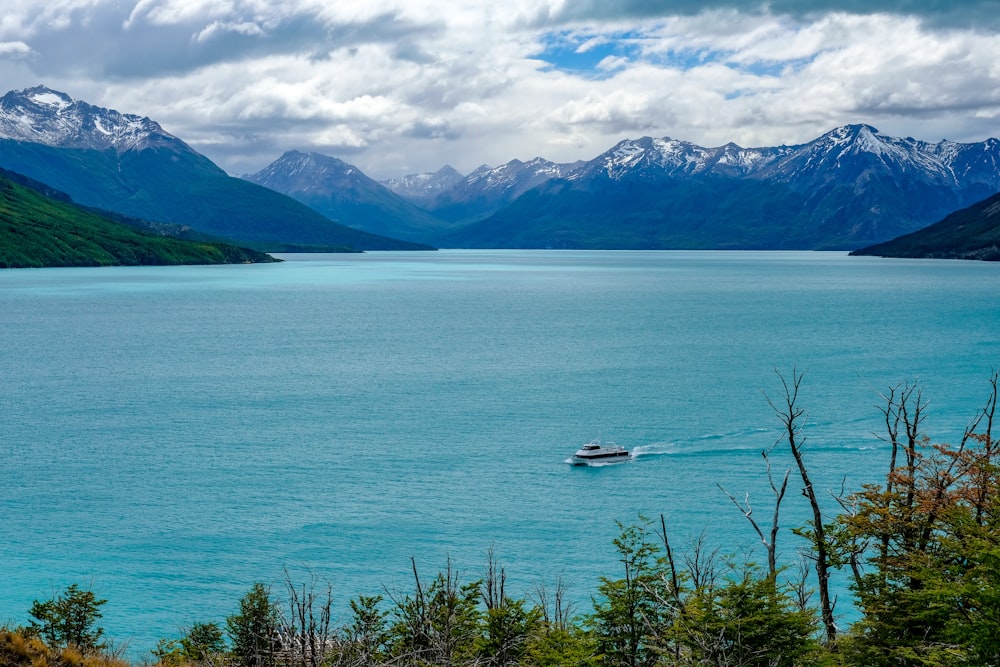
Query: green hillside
[[971, 233], [37, 230]]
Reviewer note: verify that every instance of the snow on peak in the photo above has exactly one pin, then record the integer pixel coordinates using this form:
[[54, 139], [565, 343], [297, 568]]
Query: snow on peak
[[628, 150], [44, 116], [866, 141], [46, 97]]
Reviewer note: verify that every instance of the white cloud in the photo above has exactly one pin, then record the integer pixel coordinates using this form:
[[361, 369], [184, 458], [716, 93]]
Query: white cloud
[[612, 63], [397, 86], [219, 27], [14, 50]]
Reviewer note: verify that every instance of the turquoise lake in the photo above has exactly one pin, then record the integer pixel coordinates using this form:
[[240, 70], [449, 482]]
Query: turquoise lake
[[168, 436]]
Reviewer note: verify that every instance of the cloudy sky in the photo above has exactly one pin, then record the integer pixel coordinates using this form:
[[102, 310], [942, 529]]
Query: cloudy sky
[[406, 86]]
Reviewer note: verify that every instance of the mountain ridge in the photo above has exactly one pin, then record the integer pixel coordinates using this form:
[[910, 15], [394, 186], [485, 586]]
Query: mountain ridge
[[850, 187], [129, 165], [340, 191], [422, 188], [63, 122]]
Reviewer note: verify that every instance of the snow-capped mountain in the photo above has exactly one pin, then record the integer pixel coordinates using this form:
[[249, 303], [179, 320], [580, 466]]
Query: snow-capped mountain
[[129, 165], [342, 192], [516, 177], [657, 158], [850, 187], [488, 189], [854, 150], [422, 188], [44, 116], [842, 153]]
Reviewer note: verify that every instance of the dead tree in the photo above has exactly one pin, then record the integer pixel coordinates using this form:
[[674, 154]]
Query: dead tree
[[770, 541], [557, 612], [790, 415], [307, 635]]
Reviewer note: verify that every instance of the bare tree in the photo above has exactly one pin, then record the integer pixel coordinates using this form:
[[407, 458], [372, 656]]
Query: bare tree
[[437, 624], [701, 564], [770, 541], [984, 467], [492, 587], [904, 407], [557, 612], [791, 415], [307, 634]]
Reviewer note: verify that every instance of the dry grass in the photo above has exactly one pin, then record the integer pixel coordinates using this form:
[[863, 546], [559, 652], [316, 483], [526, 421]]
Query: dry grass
[[19, 650]]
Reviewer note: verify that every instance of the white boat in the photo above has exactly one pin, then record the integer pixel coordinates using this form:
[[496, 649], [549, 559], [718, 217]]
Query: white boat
[[597, 452]]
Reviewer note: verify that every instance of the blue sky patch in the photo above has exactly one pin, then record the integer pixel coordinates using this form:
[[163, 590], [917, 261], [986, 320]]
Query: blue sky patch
[[581, 54]]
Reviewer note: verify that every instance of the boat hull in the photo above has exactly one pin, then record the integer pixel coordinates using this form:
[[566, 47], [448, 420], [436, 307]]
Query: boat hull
[[607, 457]]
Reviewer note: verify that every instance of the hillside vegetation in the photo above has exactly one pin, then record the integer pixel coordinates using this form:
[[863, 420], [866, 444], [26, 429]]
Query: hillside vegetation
[[971, 233], [38, 230]]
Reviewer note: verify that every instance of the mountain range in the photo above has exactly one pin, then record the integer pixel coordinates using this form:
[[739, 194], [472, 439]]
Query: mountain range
[[850, 188], [130, 165]]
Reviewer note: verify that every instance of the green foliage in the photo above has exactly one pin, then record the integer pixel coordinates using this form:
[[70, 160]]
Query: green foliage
[[630, 615], [554, 647], [366, 640], [203, 641], [253, 630], [37, 230], [506, 630], [168, 653], [928, 546], [69, 619], [748, 621], [439, 625]]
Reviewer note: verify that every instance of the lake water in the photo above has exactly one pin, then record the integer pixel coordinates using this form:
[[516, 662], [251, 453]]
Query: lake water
[[168, 436]]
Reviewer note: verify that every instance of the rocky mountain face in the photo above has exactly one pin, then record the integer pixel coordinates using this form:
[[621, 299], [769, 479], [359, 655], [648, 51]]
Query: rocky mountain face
[[44, 116], [421, 189], [131, 166], [489, 189]]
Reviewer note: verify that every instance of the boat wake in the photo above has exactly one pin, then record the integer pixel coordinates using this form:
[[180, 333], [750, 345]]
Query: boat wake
[[656, 449], [709, 444]]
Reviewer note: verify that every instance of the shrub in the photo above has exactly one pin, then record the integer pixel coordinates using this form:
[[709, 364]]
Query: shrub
[[69, 620]]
